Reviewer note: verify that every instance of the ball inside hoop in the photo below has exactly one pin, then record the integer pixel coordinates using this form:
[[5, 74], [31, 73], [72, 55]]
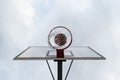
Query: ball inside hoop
[[60, 37]]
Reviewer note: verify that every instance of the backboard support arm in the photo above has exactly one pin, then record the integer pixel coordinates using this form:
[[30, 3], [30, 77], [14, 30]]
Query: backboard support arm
[[68, 69], [50, 69], [59, 69]]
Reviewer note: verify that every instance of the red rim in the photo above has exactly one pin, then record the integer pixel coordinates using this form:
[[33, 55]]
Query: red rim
[[56, 28]]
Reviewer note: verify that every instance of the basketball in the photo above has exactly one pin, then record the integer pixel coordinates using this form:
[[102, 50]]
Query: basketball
[[60, 39]]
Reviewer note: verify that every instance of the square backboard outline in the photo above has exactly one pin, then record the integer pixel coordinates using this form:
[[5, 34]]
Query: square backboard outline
[[47, 53]]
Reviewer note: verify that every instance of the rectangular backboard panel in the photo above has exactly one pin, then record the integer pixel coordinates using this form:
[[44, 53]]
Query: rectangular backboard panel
[[47, 53]]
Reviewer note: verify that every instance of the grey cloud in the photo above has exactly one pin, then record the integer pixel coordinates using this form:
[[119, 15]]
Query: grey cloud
[[94, 26]]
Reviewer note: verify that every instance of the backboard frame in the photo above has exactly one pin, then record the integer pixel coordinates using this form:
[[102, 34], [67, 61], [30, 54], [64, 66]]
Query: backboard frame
[[70, 57]]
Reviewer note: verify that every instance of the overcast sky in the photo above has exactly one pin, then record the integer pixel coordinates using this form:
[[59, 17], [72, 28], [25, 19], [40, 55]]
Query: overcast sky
[[93, 23]]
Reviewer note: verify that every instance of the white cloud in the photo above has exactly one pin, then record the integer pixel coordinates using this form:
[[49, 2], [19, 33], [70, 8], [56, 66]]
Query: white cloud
[[93, 22]]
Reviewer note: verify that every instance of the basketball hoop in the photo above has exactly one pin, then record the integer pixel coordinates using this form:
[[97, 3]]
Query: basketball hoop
[[60, 38]]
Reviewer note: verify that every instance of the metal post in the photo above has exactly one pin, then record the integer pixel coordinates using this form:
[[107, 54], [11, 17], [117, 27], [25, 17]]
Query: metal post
[[59, 69]]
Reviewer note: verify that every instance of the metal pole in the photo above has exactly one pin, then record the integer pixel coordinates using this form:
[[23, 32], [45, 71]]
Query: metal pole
[[59, 69]]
